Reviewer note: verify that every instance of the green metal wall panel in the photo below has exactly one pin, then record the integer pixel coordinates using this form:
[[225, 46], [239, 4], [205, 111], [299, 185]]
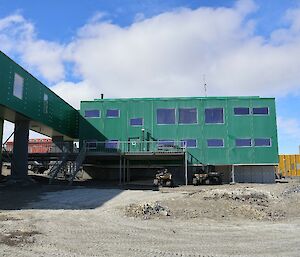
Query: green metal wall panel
[[61, 117], [248, 126]]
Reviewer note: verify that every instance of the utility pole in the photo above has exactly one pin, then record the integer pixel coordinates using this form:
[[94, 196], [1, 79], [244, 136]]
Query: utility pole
[[205, 85]]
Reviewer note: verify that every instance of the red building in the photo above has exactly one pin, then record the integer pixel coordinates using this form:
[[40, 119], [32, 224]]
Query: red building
[[39, 145]]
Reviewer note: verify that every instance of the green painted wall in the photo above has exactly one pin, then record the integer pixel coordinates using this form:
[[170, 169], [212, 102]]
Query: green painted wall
[[62, 117], [234, 127]]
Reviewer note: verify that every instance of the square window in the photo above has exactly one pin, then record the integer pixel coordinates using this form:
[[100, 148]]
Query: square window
[[112, 144], [262, 141], [187, 115], [214, 116], [189, 143], [241, 111], [243, 142], [215, 142], [165, 116], [260, 110], [136, 122], [46, 103], [92, 113], [18, 86], [112, 113]]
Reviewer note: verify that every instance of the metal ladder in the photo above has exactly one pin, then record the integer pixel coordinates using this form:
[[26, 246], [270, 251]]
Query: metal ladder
[[77, 164]]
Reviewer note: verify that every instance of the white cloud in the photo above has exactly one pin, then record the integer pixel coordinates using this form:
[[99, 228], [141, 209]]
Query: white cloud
[[289, 128], [18, 37]]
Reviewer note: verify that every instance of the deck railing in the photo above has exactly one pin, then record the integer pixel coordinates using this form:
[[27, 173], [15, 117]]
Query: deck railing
[[136, 146]]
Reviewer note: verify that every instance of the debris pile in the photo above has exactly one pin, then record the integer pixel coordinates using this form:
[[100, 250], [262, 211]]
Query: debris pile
[[147, 210], [249, 195], [291, 190]]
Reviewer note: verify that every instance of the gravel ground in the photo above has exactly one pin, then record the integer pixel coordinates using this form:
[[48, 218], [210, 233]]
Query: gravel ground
[[227, 220]]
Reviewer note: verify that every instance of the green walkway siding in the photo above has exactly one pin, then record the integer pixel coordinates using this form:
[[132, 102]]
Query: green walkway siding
[[249, 126], [61, 117]]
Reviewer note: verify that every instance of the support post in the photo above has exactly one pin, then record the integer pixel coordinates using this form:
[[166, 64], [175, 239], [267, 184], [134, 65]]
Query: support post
[[19, 166], [1, 141], [128, 171], [186, 168], [124, 166], [120, 170], [232, 175]]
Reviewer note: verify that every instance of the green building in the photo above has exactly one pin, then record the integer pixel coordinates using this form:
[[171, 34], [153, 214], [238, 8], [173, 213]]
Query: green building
[[231, 133]]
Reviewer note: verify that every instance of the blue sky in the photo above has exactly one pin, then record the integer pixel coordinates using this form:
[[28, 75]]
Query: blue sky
[[90, 47]]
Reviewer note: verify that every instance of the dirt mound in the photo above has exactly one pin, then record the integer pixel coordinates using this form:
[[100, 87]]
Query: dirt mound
[[250, 195], [147, 210]]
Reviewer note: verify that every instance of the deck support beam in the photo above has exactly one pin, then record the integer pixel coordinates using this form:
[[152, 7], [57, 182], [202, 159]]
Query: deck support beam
[[19, 166], [232, 174], [186, 167]]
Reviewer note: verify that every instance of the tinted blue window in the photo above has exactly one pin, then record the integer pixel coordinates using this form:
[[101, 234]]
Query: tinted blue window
[[189, 143], [187, 115], [240, 142], [92, 113], [165, 116], [215, 142], [214, 115], [166, 143], [112, 113], [261, 110], [136, 122], [241, 111], [111, 144], [262, 142]]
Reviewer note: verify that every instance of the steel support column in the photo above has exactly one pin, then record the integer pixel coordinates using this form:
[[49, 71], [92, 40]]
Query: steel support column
[[120, 170], [232, 174], [1, 141], [186, 167], [19, 166]]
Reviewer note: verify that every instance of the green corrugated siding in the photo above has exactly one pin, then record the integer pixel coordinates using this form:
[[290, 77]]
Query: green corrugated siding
[[234, 127], [61, 116]]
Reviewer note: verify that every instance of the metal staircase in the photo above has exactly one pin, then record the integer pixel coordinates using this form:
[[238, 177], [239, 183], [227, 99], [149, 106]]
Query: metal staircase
[[77, 164], [58, 167]]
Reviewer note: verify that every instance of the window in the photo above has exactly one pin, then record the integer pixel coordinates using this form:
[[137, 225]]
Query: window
[[187, 115], [262, 141], [260, 110], [189, 143], [46, 103], [112, 113], [18, 86], [214, 115], [92, 113], [111, 144], [241, 111], [136, 122], [165, 116], [243, 142], [166, 143], [215, 142]]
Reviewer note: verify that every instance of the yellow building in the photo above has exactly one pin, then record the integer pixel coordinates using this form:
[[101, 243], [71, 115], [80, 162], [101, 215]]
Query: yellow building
[[289, 165]]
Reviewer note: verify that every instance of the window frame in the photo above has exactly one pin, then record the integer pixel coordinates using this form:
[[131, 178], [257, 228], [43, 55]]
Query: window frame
[[185, 140], [214, 123], [136, 125], [187, 108], [111, 141], [261, 114], [93, 117], [249, 113], [166, 124], [46, 103], [113, 117], [159, 142], [215, 146], [244, 146], [262, 145], [15, 86]]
